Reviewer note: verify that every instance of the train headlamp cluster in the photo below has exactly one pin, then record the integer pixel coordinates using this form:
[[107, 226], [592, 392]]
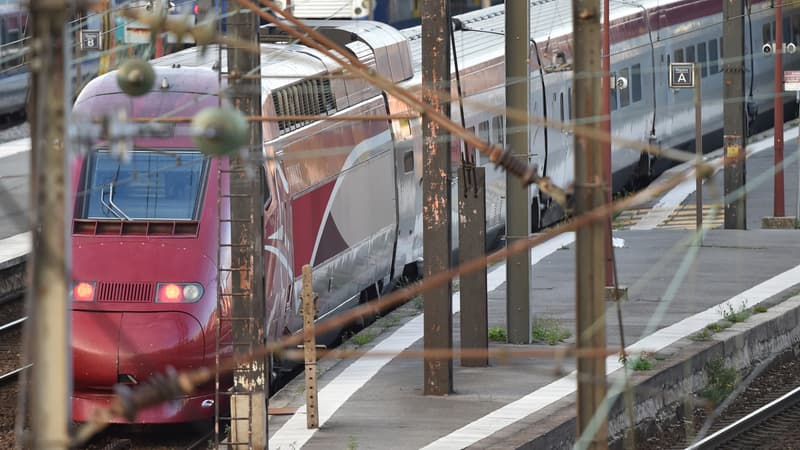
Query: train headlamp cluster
[[178, 292], [84, 291]]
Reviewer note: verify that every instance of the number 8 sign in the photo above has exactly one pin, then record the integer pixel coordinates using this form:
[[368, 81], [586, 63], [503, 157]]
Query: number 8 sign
[[90, 40]]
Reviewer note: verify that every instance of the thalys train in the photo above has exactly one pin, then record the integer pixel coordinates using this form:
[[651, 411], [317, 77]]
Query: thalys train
[[344, 196]]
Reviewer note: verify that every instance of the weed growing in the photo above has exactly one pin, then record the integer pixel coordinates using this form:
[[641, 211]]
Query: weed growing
[[641, 362], [758, 309], [498, 334], [703, 335], [735, 315], [363, 338], [548, 330], [721, 381]]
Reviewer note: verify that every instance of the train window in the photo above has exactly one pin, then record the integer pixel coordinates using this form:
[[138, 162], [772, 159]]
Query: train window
[[408, 161], [613, 93], [720, 49], [499, 132], [678, 55], [483, 130], [569, 104], [701, 58], [766, 35], [624, 94], [786, 30], [795, 29], [690, 54], [562, 106], [468, 149], [713, 66], [265, 186], [636, 83], [12, 29], [151, 186]]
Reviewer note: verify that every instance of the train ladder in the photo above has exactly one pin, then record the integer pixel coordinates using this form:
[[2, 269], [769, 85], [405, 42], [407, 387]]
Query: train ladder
[[232, 430]]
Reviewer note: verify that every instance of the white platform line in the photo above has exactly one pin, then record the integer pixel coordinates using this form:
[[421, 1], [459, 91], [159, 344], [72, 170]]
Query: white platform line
[[13, 147], [673, 199], [294, 434], [15, 246], [541, 398]]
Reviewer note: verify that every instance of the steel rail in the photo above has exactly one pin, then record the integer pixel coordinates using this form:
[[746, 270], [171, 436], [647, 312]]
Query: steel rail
[[749, 421], [8, 376], [13, 323]]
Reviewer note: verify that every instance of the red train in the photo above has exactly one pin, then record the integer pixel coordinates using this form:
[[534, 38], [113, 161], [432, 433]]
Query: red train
[[342, 196]]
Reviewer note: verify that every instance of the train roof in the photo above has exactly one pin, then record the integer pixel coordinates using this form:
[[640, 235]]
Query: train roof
[[482, 32]]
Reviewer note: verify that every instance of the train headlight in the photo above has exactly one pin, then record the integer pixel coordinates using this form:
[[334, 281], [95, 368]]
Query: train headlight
[[178, 292], [192, 292], [83, 291]]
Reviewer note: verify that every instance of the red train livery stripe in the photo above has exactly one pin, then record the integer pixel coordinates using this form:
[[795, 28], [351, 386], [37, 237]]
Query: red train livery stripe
[[308, 211]]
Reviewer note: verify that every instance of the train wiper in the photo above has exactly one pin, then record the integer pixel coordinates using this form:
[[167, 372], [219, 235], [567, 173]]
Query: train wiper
[[106, 205], [111, 201]]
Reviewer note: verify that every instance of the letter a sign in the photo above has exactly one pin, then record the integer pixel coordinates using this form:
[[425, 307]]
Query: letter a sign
[[681, 75]]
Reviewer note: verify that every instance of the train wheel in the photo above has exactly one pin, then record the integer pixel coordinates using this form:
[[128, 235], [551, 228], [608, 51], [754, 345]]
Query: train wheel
[[367, 295]]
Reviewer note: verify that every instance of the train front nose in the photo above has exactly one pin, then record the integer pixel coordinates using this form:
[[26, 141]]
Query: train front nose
[[131, 347], [150, 341]]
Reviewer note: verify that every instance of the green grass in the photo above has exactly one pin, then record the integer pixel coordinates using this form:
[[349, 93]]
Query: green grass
[[498, 334], [390, 321], [418, 303], [735, 315], [721, 381], [548, 330], [641, 362], [703, 335], [365, 337], [758, 309], [352, 443]]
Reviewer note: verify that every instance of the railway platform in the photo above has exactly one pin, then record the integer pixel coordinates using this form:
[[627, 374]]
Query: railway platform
[[675, 289]]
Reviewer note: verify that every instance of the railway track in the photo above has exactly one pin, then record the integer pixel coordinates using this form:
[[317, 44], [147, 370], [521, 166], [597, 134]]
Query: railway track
[[11, 339], [777, 420]]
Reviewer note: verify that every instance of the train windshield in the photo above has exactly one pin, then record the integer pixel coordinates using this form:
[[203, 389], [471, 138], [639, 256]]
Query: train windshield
[[151, 186]]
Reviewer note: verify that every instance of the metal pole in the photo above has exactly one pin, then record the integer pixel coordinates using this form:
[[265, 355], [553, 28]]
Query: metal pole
[[777, 197], [590, 251], [52, 377], [733, 112], [247, 294], [518, 204], [698, 148], [605, 89], [436, 173], [472, 244]]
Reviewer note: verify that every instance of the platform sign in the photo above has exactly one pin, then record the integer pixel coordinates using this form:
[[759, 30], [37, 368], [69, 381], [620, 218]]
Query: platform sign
[[791, 80], [681, 75], [90, 39]]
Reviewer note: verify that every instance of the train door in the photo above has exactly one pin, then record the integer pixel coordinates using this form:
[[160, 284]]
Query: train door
[[408, 175]]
